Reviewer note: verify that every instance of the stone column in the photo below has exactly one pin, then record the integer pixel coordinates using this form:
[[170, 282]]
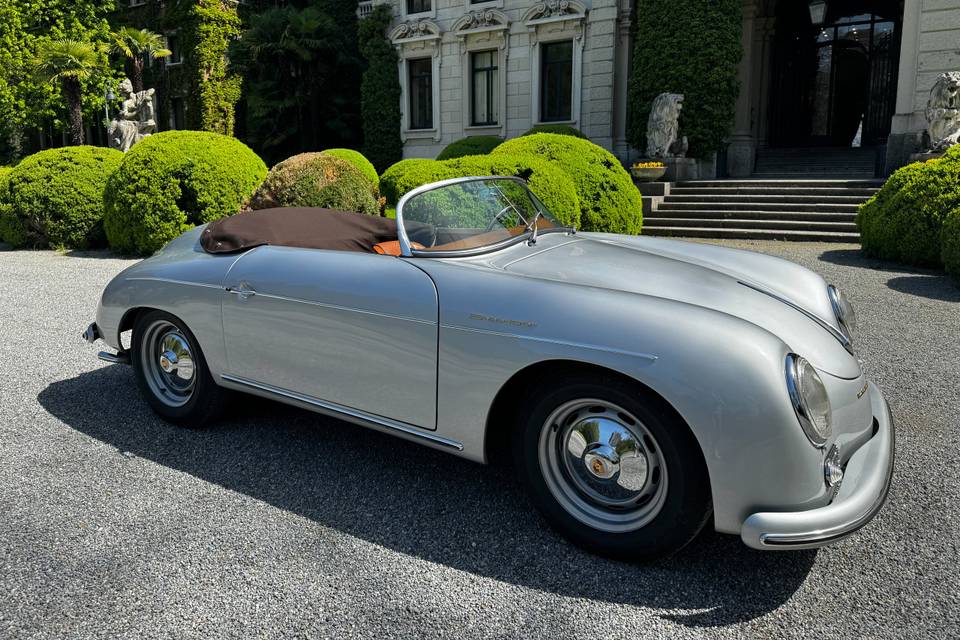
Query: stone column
[[623, 55], [740, 153], [904, 137]]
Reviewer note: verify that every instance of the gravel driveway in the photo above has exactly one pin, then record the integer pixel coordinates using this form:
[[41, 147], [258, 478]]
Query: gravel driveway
[[278, 522]]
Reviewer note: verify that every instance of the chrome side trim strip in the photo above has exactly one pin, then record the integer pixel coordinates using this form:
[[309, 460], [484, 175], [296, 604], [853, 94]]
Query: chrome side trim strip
[[565, 343], [346, 412], [337, 307], [172, 281]]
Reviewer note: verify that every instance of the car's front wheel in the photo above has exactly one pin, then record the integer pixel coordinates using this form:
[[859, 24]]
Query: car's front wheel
[[172, 372], [611, 467]]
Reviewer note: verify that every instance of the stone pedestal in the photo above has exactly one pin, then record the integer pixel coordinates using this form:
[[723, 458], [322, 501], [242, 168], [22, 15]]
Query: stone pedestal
[[679, 169], [923, 157], [740, 156]]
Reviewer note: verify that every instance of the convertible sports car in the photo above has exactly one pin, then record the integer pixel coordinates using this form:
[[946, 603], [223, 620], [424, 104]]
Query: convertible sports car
[[640, 385]]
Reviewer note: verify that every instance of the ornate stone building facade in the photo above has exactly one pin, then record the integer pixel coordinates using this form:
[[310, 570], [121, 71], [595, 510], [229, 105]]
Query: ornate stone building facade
[[825, 76], [498, 67]]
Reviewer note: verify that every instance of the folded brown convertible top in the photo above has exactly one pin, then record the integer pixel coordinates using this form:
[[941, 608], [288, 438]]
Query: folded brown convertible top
[[309, 228]]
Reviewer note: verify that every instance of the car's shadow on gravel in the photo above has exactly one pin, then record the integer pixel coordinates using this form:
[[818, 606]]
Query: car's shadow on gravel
[[420, 502]]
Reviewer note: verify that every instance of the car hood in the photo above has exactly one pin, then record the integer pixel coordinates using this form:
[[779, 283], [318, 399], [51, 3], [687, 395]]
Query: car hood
[[762, 290]]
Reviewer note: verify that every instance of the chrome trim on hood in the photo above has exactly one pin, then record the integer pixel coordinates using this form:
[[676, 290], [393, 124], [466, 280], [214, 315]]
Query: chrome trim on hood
[[836, 333]]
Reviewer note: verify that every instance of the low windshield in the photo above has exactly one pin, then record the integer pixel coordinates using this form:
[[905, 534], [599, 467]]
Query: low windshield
[[472, 214]]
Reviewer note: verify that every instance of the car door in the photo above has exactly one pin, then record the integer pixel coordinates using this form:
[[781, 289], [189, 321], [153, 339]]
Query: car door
[[354, 329]]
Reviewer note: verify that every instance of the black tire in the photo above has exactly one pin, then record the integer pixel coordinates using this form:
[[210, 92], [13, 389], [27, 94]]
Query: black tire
[[203, 403], [684, 504]]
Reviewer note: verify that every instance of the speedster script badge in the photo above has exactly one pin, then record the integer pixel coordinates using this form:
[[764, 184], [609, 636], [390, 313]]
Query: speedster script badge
[[507, 321]]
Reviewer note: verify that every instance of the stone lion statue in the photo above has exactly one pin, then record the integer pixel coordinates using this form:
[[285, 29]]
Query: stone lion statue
[[663, 127], [943, 112]]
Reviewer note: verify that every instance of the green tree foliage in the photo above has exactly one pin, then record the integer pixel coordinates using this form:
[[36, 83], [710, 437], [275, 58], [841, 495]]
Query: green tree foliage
[[912, 218], [301, 69], [692, 48], [173, 181], [68, 63], [56, 197], [316, 180], [609, 201], [380, 91], [139, 47], [210, 27], [470, 146], [28, 102]]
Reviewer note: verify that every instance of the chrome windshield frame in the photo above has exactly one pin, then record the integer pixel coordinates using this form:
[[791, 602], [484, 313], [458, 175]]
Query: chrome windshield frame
[[407, 251]]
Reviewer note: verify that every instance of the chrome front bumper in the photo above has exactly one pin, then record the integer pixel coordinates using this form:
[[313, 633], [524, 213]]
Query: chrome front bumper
[[862, 494], [92, 334]]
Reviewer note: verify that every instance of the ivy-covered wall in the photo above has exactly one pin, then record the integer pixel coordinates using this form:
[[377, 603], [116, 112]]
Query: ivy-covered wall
[[380, 91], [691, 47]]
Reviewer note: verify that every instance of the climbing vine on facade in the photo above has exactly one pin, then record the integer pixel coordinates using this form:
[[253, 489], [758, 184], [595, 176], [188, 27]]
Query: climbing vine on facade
[[210, 27], [380, 91]]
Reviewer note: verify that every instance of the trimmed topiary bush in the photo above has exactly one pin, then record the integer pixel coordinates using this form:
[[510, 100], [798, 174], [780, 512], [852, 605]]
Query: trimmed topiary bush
[[11, 231], [950, 247], [559, 129], [470, 146], [609, 201], [54, 198], [316, 180], [546, 180], [174, 180], [904, 220], [409, 174], [380, 89], [359, 162]]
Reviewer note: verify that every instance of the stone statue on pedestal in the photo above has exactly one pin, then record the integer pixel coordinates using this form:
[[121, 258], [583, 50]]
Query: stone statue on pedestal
[[943, 113], [136, 119], [663, 127]]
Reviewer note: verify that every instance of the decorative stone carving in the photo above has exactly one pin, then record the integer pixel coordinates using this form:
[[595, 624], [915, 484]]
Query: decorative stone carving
[[136, 119], [943, 112], [416, 30], [554, 8], [663, 127], [481, 19]]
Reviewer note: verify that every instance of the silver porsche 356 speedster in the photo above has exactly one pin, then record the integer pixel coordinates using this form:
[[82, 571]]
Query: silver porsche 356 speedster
[[640, 385]]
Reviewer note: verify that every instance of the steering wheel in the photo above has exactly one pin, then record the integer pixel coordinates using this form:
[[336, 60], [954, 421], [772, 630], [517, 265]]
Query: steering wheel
[[499, 216]]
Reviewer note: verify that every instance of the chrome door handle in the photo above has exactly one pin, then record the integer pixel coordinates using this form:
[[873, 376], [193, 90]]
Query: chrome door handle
[[243, 290]]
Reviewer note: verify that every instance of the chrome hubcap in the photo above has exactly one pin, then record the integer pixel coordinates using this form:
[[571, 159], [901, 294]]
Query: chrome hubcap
[[603, 465], [168, 365]]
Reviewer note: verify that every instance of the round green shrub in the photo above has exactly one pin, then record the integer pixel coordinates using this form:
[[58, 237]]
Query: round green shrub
[[54, 198], [950, 247], [409, 174], [904, 220], [11, 231], [172, 181], [559, 129], [609, 201], [316, 180], [470, 146], [547, 181], [360, 162]]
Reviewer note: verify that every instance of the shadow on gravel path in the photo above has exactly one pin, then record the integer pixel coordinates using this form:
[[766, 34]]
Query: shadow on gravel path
[[421, 502]]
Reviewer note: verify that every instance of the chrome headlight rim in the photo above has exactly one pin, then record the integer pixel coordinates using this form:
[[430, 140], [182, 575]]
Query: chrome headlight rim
[[844, 312], [796, 367]]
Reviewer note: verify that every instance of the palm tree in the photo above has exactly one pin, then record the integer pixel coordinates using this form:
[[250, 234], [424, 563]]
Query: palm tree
[[69, 62], [139, 46]]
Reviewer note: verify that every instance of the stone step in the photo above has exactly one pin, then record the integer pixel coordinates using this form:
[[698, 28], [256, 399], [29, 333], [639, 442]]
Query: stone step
[[789, 182], [750, 234], [815, 216], [722, 198], [864, 192], [668, 205], [796, 225], [813, 175]]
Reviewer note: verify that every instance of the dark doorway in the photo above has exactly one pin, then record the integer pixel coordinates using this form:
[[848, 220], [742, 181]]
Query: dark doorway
[[835, 72]]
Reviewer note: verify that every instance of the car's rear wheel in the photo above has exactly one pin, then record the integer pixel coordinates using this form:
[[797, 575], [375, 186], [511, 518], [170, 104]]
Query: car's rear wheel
[[611, 467], [172, 372]]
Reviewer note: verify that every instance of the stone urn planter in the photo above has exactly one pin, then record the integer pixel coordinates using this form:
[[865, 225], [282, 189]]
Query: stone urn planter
[[647, 174]]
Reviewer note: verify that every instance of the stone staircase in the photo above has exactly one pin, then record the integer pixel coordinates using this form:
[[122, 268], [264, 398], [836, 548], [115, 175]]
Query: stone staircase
[[774, 209]]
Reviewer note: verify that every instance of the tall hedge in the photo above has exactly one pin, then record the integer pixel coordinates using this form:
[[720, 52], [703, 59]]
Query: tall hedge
[[380, 90], [609, 201], [905, 220], [693, 48], [316, 180], [173, 181], [54, 198]]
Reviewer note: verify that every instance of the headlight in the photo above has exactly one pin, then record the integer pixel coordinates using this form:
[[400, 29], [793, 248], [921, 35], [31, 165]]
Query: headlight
[[842, 308], [810, 399]]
